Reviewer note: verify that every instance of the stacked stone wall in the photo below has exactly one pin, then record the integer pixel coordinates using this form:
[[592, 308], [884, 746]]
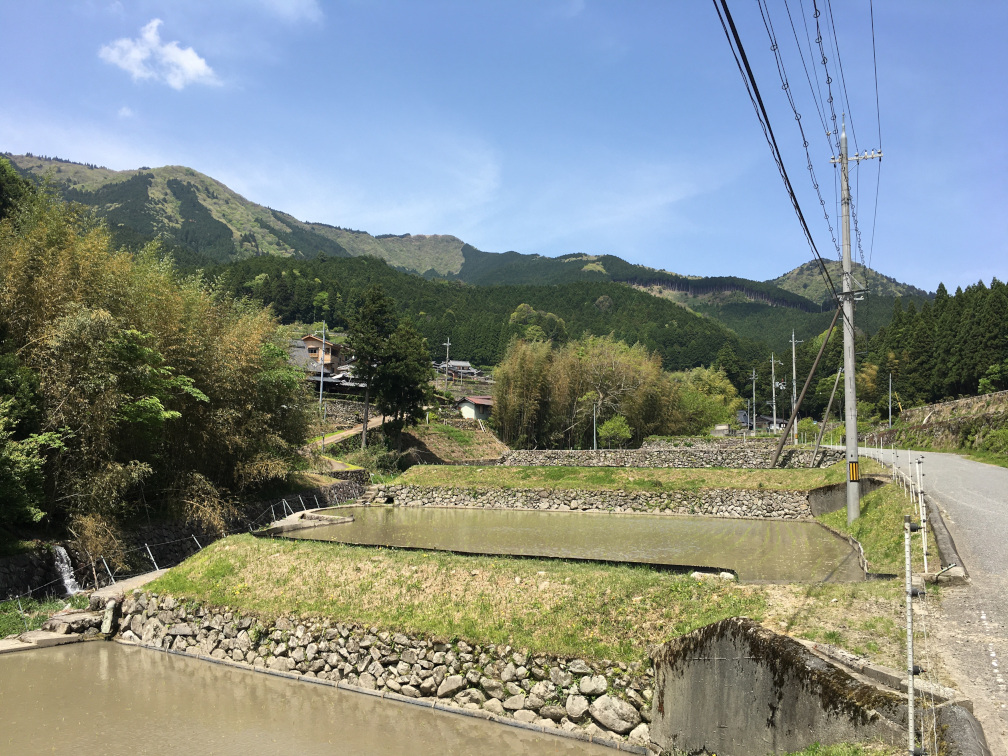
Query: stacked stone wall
[[683, 453], [26, 572], [600, 700], [714, 502], [345, 413]]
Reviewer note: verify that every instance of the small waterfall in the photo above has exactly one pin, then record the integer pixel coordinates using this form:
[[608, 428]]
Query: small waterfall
[[65, 569]]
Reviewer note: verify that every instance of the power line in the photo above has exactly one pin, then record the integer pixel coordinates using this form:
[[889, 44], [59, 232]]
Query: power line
[[786, 86], [735, 43], [878, 120]]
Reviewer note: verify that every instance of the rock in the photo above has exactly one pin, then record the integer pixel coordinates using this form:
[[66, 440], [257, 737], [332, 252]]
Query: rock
[[182, 628], [595, 685], [543, 689], [728, 576], [525, 716], [281, 663], [409, 690], [560, 678], [508, 674], [494, 706], [367, 680], [614, 714], [109, 618], [451, 685], [470, 695], [514, 703], [640, 734], [576, 707], [492, 688], [578, 667], [553, 712], [153, 631], [512, 689]]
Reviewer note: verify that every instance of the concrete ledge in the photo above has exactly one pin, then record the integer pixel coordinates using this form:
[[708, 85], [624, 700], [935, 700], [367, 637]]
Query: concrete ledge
[[947, 552], [736, 688], [891, 678]]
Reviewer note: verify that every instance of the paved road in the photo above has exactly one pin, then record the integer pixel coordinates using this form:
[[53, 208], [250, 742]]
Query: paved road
[[972, 626]]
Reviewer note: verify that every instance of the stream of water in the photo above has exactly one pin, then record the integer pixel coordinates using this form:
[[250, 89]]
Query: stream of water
[[115, 700], [758, 550]]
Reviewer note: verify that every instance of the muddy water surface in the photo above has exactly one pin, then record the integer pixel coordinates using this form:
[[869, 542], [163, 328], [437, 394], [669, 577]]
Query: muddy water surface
[[758, 550], [105, 698]]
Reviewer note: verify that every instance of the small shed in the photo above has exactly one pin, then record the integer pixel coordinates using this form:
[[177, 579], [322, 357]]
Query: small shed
[[475, 407]]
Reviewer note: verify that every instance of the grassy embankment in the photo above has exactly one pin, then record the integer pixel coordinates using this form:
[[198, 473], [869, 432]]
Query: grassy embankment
[[864, 618], [13, 622], [623, 478], [552, 606]]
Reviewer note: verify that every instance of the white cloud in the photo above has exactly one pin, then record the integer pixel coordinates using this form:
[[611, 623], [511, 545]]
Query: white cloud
[[125, 112], [147, 57]]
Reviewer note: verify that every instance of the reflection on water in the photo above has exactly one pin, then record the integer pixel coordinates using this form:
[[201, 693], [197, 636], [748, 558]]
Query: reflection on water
[[758, 550], [104, 698]]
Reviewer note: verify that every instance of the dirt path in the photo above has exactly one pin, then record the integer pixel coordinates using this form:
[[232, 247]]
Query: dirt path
[[335, 438]]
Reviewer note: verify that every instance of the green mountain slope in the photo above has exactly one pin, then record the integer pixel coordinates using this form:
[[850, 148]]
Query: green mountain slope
[[202, 216], [202, 221], [807, 281]]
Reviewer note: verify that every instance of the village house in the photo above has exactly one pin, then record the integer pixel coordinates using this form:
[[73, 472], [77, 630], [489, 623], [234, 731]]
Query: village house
[[475, 407]]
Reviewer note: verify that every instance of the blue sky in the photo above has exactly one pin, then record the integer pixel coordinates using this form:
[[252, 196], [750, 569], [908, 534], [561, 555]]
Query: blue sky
[[547, 126]]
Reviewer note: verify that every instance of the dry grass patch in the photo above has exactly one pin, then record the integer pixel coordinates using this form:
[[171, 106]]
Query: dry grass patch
[[549, 606]]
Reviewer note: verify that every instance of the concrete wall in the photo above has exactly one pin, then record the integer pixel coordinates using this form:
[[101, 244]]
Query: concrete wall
[[684, 452], [735, 688], [714, 502]]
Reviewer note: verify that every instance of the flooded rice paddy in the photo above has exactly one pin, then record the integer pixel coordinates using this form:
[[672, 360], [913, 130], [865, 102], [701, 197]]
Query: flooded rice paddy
[[757, 550], [106, 698]]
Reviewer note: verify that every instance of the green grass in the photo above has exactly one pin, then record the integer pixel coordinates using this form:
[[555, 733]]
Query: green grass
[[460, 436], [849, 749], [622, 479], [13, 622], [879, 529], [545, 606], [979, 455]]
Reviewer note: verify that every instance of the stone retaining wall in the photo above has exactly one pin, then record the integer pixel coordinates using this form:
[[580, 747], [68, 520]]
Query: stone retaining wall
[[345, 413], [691, 453], [169, 542], [595, 700], [23, 572], [715, 502]]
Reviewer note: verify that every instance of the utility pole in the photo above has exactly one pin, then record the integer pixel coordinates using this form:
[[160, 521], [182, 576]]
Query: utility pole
[[794, 383], [850, 393], [890, 400], [773, 384], [447, 346], [753, 416], [321, 372]]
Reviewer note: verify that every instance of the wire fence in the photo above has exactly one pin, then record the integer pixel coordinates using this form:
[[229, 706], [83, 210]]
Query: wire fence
[[96, 566]]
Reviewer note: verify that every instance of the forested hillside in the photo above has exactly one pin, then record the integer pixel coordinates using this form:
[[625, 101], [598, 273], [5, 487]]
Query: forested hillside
[[807, 280], [200, 221], [125, 387], [478, 318]]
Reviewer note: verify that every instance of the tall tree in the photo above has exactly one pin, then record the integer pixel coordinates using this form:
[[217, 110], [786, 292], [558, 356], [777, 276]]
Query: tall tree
[[372, 322], [403, 379]]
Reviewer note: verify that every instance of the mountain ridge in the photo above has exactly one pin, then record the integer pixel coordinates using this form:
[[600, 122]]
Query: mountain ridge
[[202, 221]]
